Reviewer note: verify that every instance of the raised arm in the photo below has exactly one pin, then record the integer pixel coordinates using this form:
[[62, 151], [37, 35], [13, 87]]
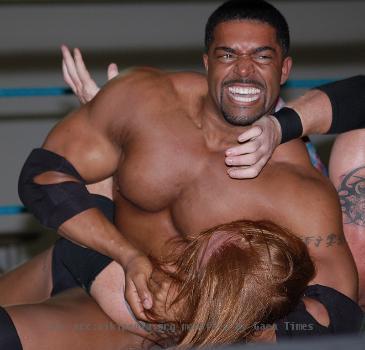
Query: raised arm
[[332, 108], [77, 76]]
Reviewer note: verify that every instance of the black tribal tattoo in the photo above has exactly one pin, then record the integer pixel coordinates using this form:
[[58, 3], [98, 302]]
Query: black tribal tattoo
[[329, 240], [352, 196]]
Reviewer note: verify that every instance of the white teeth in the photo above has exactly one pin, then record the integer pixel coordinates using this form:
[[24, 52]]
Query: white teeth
[[245, 99], [243, 90]]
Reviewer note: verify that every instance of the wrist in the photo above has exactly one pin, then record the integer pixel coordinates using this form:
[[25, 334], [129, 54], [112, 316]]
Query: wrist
[[277, 129], [127, 254], [119, 249], [290, 124]]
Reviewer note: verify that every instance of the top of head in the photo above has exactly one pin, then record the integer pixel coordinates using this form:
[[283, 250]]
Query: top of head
[[251, 10], [240, 273]]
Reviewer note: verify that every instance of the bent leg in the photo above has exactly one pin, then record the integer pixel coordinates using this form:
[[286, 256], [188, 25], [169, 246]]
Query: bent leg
[[71, 320], [31, 282], [347, 173]]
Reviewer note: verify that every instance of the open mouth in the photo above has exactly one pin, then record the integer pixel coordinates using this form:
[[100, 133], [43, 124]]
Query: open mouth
[[244, 94]]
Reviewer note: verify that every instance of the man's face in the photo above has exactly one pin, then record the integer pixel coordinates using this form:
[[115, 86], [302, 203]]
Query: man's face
[[245, 69]]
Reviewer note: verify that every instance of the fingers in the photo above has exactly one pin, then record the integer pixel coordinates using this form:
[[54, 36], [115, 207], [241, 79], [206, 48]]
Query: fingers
[[257, 145], [143, 292], [249, 163], [113, 71], [248, 172], [67, 77], [248, 147], [138, 301], [163, 297], [159, 286], [70, 68], [251, 133], [77, 76], [81, 70], [159, 296]]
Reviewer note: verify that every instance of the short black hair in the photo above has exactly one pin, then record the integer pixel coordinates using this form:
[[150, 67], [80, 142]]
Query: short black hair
[[254, 10]]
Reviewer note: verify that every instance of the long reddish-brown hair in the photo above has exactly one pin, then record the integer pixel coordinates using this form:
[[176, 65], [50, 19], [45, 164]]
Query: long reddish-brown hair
[[234, 278]]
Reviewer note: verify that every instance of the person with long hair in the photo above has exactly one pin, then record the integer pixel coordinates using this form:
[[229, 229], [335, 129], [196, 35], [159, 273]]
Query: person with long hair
[[228, 284], [167, 139]]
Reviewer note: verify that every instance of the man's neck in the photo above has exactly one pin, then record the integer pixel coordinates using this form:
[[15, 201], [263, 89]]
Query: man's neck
[[218, 133]]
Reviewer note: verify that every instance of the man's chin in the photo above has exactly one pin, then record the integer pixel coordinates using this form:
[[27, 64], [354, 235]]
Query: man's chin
[[240, 119]]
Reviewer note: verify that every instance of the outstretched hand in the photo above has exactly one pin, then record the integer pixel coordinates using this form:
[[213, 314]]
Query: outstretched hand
[[257, 144], [78, 78]]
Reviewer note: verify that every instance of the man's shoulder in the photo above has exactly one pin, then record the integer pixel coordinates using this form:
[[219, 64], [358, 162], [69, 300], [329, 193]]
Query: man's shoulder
[[302, 182], [135, 84], [308, 191], [135, 79], [144, 94], [140, 77]]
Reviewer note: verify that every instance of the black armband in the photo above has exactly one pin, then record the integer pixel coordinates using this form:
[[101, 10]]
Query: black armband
[[52, 204], [290, 123], [348, 103]]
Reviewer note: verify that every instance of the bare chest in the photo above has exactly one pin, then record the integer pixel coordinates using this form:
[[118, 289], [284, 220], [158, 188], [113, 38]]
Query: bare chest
[[190, 184]]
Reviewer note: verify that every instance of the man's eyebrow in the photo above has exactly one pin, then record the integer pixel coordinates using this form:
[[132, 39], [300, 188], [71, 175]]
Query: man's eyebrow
[[254, 51], [225, 48], [264, 48]]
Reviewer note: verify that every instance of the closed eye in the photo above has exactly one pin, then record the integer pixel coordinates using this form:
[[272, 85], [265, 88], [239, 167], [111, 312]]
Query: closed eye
[[226, 57], [264, 59]]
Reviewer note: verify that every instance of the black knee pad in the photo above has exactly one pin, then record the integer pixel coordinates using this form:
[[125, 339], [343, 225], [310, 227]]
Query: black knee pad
[[9, 339], [75, 266], [345, 315]]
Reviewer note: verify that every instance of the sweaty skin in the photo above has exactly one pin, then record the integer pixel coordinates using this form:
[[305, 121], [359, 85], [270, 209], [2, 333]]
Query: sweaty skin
[[163, 138], [158, 199]]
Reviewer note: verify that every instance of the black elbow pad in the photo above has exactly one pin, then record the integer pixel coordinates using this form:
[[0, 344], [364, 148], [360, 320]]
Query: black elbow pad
[[348, 103], [52, 204]]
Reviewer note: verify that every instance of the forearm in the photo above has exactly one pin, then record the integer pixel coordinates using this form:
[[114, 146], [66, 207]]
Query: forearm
[[92, 229], [333, 108], [56, 194], [315, 111]]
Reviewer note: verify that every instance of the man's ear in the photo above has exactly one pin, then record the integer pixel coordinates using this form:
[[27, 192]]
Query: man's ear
[[286, 69], [205, 61]]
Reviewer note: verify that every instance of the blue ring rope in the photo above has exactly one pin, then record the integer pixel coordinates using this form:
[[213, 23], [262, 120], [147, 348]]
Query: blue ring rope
[[34, 91], [306, 83], [12, 210], [59, 91]]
